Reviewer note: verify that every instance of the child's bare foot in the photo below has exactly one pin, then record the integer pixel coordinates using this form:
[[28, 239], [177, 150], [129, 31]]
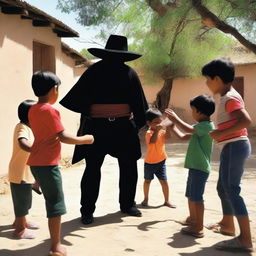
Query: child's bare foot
[[185, 222], [192, 232], [168, 204], [23, 234], [32, 225], [60, 251], [144, 203]]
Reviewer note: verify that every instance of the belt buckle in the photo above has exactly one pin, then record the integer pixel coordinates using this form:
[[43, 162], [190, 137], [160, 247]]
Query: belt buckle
[[111, 119]]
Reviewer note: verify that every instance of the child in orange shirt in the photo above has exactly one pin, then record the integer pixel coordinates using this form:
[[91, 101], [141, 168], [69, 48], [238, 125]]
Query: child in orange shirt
[[154, 162]]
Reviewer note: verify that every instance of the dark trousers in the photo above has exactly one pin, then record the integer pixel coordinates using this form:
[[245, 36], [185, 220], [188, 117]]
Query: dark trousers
[[90, 183]]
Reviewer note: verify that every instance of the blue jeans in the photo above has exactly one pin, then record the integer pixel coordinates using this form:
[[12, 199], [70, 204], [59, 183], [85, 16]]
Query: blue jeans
[[231, 169], [196, 185]]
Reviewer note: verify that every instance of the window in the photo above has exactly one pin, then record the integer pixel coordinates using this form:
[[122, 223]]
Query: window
[[43, 57]]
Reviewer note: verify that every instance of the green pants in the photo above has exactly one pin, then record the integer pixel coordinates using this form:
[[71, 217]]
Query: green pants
[[50, 181]]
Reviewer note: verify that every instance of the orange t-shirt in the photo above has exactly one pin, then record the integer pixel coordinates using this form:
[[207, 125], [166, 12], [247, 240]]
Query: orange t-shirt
[[155, 151]]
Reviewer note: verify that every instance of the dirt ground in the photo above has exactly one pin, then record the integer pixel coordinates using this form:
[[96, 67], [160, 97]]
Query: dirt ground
[[115, 234]]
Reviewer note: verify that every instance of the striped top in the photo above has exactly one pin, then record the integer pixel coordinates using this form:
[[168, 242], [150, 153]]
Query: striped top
[[230, 102]]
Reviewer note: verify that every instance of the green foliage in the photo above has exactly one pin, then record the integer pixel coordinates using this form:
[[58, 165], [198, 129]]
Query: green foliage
[[87, 55], [90, 12], [173, 45]]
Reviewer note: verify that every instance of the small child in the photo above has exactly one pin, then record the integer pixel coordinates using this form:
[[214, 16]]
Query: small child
[[231, 134], [45, 153], [20, 177], [154, 162], [197, 159]]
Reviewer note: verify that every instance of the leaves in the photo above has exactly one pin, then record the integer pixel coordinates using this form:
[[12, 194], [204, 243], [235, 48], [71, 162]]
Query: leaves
[[174, 43]]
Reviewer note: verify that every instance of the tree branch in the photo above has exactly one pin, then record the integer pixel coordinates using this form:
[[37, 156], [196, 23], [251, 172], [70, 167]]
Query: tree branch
[[159, 7], [212, 21]]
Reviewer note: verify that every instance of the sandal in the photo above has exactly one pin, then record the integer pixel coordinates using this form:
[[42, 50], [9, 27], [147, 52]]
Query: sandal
[[186, 231], [219, 231], [232, 245], [183, 222], [216, 228]]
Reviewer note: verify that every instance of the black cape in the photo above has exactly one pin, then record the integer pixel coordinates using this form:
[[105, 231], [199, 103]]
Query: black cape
[[107, 82]]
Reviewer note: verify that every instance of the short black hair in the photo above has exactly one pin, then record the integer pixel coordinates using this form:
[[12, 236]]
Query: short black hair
[[23, 109], [43, 81], [223, 68], [152, 113], [204, 104]]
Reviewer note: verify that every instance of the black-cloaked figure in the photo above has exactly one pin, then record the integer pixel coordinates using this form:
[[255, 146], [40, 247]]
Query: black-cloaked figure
[[112, 104]]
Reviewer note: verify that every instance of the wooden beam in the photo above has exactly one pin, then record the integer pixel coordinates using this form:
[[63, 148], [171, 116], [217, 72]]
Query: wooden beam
[[41, 23], [13, 10], [62, 33]]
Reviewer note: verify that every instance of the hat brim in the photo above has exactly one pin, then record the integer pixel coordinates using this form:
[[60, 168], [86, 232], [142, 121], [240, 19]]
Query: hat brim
[[120, 55]]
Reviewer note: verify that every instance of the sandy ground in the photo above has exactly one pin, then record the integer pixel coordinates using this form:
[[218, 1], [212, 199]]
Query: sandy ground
[[115, 234]]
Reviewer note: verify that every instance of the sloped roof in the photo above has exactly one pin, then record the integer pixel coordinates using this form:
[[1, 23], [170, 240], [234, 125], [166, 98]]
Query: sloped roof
[[38, 17], [241, 56], [80, 60]]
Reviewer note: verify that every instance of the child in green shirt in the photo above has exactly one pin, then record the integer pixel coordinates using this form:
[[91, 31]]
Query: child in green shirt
[[197, 158]]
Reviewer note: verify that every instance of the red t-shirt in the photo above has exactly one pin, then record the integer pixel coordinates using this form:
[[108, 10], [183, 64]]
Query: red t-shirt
[[45, 123]]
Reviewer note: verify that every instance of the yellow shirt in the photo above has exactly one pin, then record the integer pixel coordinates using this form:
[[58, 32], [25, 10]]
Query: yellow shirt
[[18, 168], [155, 151]]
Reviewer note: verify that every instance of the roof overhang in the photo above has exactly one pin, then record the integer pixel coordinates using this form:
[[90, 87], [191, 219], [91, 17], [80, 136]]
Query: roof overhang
[[38, 17]]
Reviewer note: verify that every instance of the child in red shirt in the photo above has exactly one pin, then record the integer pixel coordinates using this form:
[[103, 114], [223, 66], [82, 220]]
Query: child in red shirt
[[45, 152]]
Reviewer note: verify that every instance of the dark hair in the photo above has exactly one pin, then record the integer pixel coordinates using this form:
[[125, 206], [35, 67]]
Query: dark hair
[[204, 104], [152, 113], [23, 109], [223, 68], [43, 81]]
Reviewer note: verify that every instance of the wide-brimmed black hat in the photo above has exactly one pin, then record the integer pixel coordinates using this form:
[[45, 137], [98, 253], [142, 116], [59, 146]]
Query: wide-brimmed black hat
[[116, 48]]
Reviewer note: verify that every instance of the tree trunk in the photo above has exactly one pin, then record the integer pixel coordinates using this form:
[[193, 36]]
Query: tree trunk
[[164, 95]]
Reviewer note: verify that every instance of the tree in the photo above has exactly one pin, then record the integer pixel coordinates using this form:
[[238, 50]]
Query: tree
[[170, 34]]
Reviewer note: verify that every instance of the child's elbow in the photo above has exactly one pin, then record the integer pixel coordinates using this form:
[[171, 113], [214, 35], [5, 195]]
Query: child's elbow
[[248, 122]]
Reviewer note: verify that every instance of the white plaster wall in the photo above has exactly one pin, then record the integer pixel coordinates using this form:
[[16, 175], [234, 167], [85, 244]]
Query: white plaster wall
[[16, 69]]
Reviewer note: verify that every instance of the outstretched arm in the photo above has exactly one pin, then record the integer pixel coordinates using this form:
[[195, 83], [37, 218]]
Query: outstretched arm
[[77, 140], [181, 135], [176, 120]]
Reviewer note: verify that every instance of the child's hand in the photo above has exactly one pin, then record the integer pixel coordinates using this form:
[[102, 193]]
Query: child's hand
[[87, 139], [171, 114], [157, 128]]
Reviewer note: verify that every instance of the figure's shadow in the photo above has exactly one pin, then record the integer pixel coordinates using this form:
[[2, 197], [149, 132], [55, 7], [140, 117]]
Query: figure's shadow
[[67, 229], [211, 251], [6, 231], [139, 206], [183, 241]]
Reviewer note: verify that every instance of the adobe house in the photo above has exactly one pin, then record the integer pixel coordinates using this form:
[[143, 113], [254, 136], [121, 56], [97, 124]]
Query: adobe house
[[185, 89], [30, 40]]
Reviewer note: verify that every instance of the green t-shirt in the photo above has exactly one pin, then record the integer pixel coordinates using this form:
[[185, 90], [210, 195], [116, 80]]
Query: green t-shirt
[[200, 148]]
